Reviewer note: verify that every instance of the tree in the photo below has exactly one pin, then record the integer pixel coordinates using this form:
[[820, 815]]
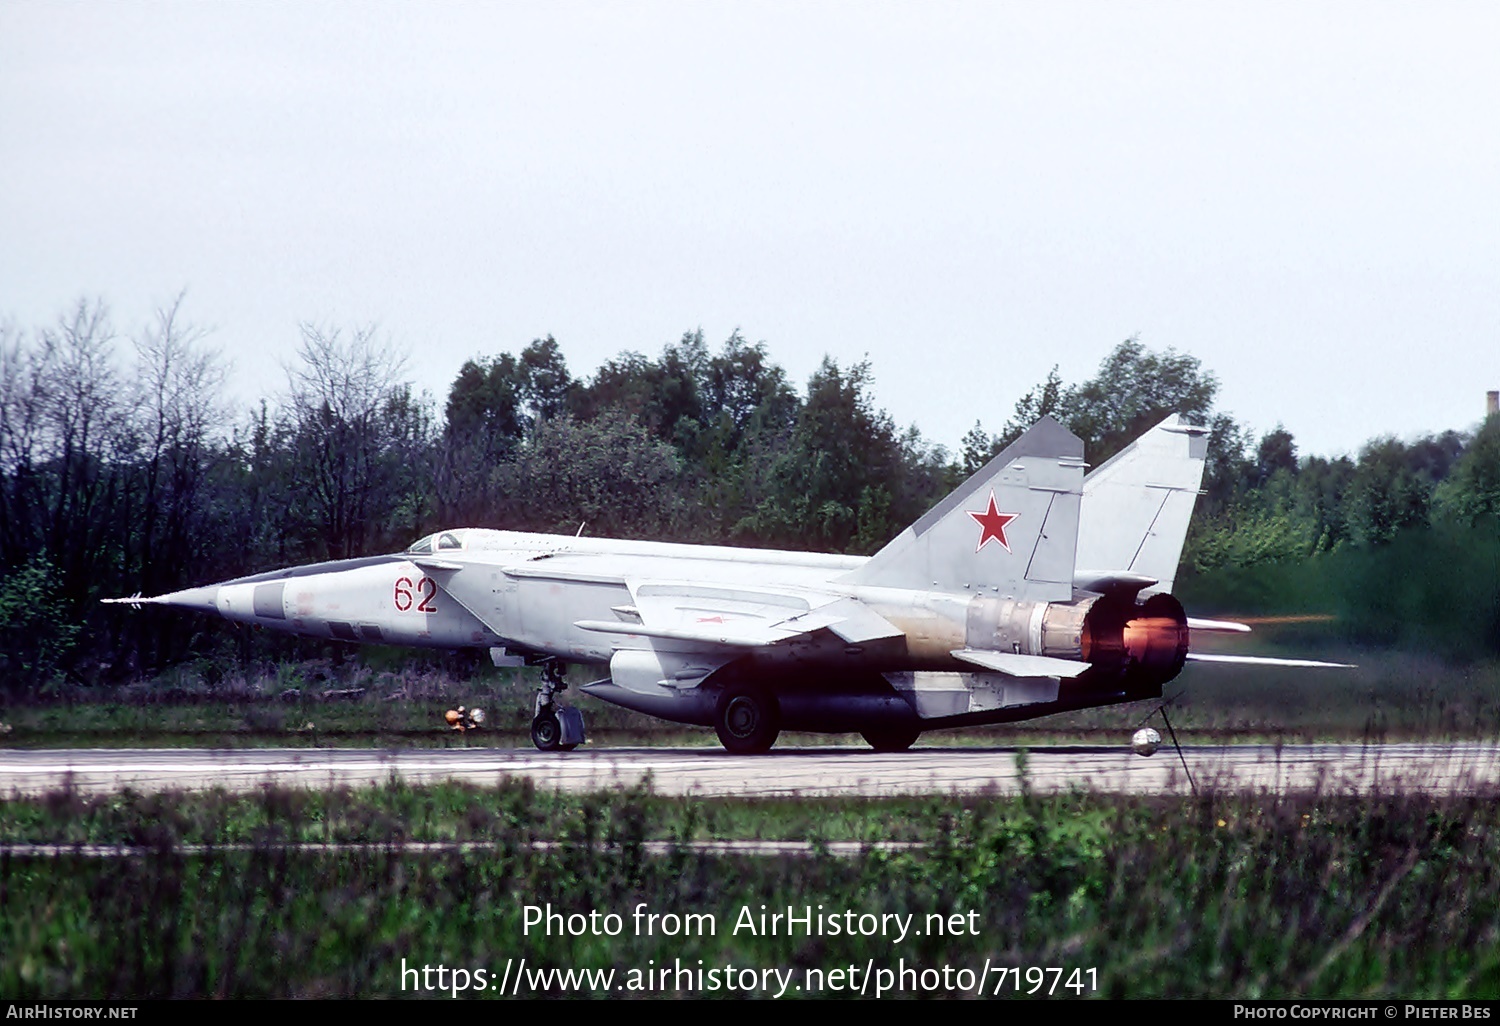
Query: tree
[[83, 418], [1471, 493], [745, 392], [1047, 398], [1134, 389], [37, 629], [1386, 495], [608, 472], [1227, 472], [836, 480], [22, 370], [663, 395], [1277, 453], [360, 455], [1322, 487], [177, 414], [544, 384], [484, 406]]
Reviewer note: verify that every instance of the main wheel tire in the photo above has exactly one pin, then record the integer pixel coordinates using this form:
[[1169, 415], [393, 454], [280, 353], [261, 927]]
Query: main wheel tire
[[747, 720], [546, 732], [890, 739]]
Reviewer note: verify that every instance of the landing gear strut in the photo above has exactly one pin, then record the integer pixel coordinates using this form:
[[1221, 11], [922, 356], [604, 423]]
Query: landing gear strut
[[554, 727]]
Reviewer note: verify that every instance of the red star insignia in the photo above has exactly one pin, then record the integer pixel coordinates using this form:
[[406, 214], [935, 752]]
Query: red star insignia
[[992, 524], [710, 619]]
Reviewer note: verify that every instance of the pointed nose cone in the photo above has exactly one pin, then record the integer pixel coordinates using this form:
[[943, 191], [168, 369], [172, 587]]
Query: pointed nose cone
[[203, 599]]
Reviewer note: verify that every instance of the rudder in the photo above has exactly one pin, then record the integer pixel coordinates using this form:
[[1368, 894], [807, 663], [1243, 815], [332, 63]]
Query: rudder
[[1138, 504]]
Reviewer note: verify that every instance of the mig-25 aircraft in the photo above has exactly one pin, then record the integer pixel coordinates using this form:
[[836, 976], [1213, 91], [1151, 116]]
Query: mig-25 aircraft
[[1030, 589]]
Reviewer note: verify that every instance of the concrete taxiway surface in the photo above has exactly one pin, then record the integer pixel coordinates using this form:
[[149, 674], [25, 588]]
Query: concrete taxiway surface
[[1361, 769]]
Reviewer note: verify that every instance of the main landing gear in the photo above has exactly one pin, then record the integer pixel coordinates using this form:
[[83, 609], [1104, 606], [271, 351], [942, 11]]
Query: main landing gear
[[554, 727], [747, 720]]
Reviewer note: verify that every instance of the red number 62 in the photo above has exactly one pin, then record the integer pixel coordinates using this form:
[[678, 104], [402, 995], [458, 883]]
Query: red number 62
[[426, 589]]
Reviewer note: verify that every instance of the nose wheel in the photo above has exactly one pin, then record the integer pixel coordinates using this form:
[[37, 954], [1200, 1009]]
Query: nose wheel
[[555, 727], [546, 733]]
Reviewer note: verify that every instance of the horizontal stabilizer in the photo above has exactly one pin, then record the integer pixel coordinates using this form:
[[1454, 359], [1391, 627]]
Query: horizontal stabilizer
[[1266, 661], [1016, 665], [1112, 581], [1217, 626]]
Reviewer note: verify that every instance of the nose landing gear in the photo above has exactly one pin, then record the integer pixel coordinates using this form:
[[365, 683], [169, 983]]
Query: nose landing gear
[[554, 727]]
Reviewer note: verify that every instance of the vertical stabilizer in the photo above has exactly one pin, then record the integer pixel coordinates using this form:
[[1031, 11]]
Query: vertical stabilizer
[[1011, 529], [1137, 505]]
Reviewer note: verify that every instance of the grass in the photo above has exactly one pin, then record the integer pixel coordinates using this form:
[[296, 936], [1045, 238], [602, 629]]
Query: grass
[[1222, 895], [1218, 895]]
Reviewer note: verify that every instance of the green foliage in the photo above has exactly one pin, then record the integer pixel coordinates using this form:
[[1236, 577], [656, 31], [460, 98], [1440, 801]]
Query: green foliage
[[544, 384], [1435, 589], [664, 395], [1134, 390], [484, 406], [115, 462], [608, 471], [35, 624], [745, 394], [1220, 895], [1245, 537], [1277, 454], [830, 488], [1471, 493], [1047, 399], [1429, 589], [1386, 494]]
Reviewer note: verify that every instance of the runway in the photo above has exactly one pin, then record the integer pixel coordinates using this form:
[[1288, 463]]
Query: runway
[[1447, 768]]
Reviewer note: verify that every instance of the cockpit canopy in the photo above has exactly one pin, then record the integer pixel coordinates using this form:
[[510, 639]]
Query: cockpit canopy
[[443, 541]]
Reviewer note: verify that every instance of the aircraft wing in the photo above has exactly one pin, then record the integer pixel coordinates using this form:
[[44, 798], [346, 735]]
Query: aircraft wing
[[739, 617]]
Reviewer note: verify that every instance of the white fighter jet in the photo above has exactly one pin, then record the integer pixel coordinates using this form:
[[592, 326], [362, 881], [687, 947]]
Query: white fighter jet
[[1030, 589]]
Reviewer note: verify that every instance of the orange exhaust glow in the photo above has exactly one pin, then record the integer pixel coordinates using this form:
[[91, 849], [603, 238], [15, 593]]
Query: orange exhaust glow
[[1154, 640]]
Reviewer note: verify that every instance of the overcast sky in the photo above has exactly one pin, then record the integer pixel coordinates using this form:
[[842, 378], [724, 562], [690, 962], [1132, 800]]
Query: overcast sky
[[1304, 196]]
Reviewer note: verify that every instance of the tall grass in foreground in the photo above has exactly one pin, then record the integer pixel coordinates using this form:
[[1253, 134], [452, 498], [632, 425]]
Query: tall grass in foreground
[[1220, 895]]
